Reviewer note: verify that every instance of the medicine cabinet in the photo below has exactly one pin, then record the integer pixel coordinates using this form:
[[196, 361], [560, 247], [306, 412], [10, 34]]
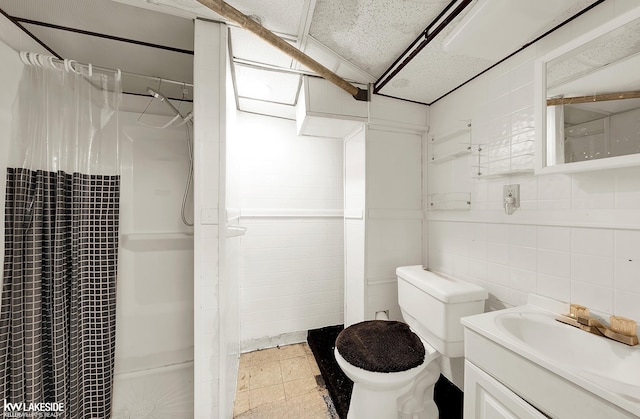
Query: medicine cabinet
[[588, 100]]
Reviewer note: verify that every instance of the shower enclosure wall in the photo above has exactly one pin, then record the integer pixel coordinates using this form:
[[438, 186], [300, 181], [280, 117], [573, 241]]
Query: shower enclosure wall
[[154, 342]]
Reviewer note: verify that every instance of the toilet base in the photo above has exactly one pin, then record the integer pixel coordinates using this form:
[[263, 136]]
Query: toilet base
[[411, 401], [419, 402], [367, 403]]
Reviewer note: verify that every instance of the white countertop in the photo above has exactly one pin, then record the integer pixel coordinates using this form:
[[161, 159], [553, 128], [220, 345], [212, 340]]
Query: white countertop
[[601, 366]]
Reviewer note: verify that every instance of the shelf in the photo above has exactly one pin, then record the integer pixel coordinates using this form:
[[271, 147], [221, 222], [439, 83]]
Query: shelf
[[455, 201], [505, 173], [448, 135], [450, 156], [450, 145]]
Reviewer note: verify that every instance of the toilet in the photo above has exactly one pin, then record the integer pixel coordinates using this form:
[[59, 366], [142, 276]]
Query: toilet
[[393, 365]]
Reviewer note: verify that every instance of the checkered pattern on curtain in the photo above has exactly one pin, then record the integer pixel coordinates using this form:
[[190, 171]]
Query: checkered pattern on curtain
[[57, 320]]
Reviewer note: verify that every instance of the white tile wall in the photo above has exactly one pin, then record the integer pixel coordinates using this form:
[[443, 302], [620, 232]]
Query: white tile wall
[[292, 266], [575, 237]]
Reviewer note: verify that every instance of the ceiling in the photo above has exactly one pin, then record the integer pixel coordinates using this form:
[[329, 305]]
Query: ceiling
[[360, 40]]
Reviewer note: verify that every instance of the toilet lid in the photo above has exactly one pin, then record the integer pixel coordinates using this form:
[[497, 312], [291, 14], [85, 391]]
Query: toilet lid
[[381, 346]]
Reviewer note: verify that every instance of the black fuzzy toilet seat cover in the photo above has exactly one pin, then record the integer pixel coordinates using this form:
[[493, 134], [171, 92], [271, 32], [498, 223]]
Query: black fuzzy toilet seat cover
[[381, 346]]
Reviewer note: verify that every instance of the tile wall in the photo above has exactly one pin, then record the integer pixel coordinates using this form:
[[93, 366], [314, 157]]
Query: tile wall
[[292, 254], [576, 237]]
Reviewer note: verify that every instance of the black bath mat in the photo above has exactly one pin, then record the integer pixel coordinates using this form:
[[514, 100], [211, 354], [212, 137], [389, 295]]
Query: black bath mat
[[322, 341], [447, 396]]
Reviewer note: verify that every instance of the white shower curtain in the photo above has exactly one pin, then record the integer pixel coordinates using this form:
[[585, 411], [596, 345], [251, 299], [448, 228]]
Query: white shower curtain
[[67, 118], [57, 318]]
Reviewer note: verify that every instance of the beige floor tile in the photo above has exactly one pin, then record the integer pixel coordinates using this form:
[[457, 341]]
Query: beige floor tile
[[307, 348], [313, 365], [245, 359], [265, 355], [281, 385], [295, 388], [243, 378], [266, 374], [309, 406], [291, 351], [294, 368], [241, 404], [264, 395], [276, 410]]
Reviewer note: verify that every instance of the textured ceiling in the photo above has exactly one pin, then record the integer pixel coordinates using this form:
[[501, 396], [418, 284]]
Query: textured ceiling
[[434, 72], [281, 16], [371, 33], [357, 39]]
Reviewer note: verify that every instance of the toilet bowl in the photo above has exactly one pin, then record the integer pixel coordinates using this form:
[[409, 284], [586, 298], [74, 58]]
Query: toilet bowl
[[431, 305], [376, 394]]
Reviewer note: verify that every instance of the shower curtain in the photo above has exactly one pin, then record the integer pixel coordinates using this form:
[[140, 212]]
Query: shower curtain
[[57, 314]]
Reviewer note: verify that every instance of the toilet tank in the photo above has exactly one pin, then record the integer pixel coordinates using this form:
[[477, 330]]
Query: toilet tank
[[433, 304]]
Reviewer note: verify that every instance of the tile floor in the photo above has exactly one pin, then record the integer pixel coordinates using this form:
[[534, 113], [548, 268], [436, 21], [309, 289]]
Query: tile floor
[[282, 382]]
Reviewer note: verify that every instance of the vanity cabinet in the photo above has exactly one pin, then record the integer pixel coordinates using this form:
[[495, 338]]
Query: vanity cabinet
[[498, 381], [486, 398]]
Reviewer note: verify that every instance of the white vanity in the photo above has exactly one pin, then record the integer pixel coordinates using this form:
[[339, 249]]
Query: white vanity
[[522, 363]]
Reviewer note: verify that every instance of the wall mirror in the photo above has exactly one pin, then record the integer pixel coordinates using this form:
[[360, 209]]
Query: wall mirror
[[588, 100]]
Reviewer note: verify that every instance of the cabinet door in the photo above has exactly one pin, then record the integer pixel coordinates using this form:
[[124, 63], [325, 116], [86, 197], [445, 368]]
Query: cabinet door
[[486, 398]]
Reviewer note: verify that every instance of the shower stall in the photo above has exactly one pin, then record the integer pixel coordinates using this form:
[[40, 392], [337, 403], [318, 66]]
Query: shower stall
[[164, 265], [154, 341]]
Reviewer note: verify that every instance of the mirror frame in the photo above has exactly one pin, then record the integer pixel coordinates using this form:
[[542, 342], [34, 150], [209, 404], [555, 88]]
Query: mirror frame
[[540, 97]]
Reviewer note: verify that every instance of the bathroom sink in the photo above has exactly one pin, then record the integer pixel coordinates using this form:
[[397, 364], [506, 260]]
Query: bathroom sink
[[604, 367], [596, 358]]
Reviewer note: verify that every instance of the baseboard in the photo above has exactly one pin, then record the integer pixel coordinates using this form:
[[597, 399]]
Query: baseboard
[[266, 342]]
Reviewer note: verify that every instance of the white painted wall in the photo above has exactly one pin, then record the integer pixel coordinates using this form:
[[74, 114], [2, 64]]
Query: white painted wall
[[209, 201], [355, 181], [383, 217], [230, 257], [576, 237], [291, 203], [393, 212]]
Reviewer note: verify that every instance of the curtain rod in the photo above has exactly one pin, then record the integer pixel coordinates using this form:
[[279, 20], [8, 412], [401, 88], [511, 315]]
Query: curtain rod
[[33, 58]]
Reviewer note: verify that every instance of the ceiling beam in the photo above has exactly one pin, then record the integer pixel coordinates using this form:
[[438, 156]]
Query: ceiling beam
[[228, 12]]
